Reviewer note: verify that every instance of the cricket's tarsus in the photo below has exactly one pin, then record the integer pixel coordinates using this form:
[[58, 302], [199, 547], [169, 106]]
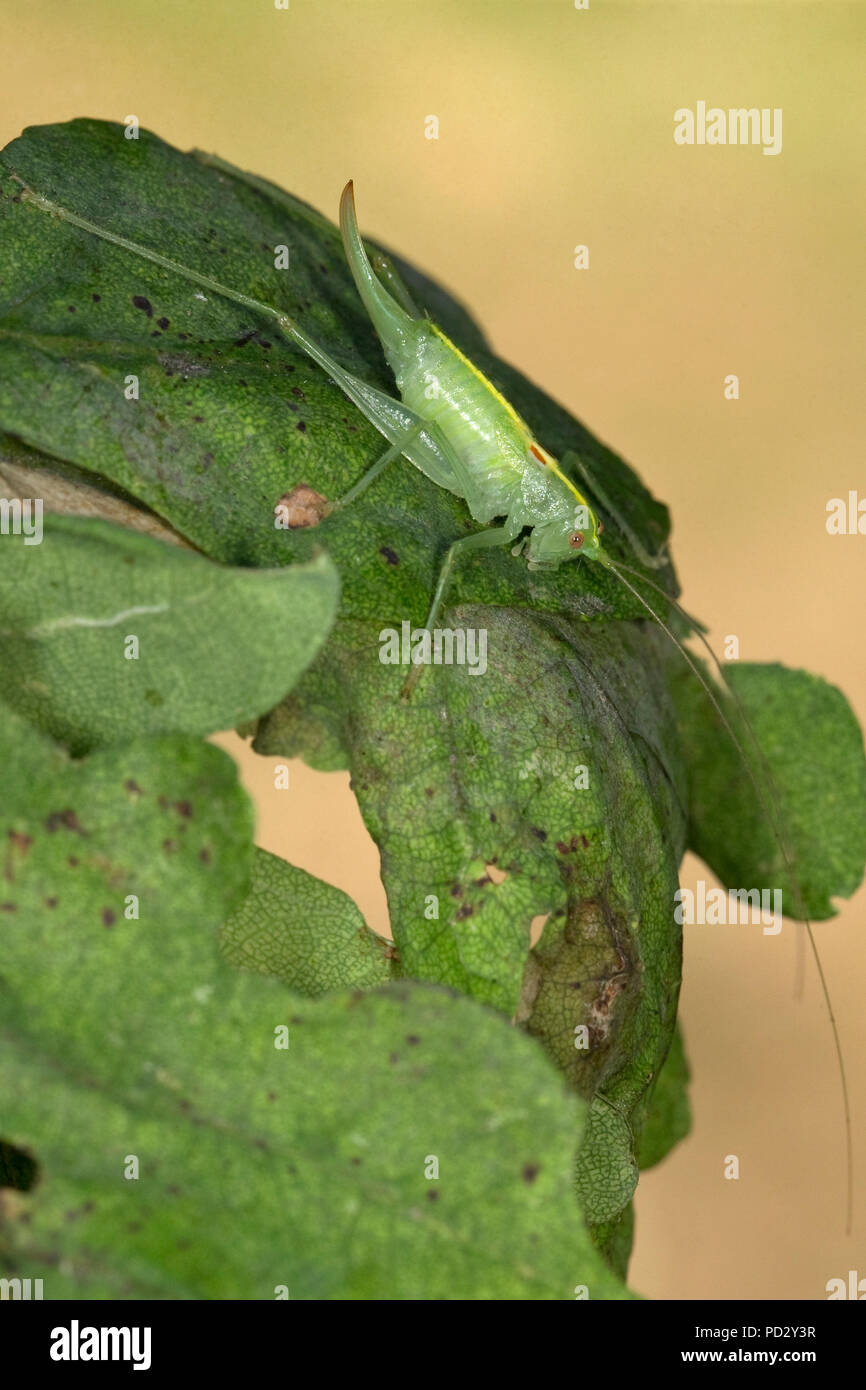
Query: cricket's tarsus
[[454, 426]]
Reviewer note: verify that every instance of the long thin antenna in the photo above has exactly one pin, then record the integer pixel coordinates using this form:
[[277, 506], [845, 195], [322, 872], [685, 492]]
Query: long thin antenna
[[617, 570]]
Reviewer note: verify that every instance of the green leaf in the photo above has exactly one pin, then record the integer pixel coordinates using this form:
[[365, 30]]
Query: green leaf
[[472, 797], [669, 1114], [231, 417], [259, 1166], [215, 645], [813, 780], [162, 821], [607, 1171], [306, 933]]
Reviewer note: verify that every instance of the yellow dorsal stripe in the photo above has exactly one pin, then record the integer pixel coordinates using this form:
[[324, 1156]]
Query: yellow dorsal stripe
[[548, 460], [488, 385]]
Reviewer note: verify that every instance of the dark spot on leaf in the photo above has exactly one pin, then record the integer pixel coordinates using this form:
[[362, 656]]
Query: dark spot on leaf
[[393, 1057], [530, 1172], [204, 856], [355, 1161], [567, 848], [96, 298], [109, 916], [143, 304], [301, 425], [184, 808], [132, 787], [51, 902], [493, 817], [8, 907], [18, 1169], [20, 841], [432, 1194], [298, 393], [412, 1039], [541, 834], [163, 323], [390, 555], [465, 911], [456, 890], [169, 846], [67, 819], [71, 308], [72, 862]]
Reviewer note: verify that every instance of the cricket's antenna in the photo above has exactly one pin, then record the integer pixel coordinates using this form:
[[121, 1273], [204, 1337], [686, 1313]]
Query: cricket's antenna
[[618, 569]]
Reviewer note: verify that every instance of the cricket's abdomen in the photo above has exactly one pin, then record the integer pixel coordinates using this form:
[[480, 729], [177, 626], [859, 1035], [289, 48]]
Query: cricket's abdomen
[[444, 387]]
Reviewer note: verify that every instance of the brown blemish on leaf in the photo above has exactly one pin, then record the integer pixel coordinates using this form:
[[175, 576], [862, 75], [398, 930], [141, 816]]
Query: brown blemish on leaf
[[68, 819], [132, 787], [302, 507], [184, 808], [390, 555], [465, 911], [530, 1172], [109, 917]]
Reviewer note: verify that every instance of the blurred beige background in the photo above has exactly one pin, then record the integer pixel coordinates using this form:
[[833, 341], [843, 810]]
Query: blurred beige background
[[556, 128]]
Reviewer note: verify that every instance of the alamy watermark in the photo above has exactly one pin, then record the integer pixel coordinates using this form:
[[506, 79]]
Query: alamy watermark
[[22, 516], [713, 907], [449, 646], [739, 125]]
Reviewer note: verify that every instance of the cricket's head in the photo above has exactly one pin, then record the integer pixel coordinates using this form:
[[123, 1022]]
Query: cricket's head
[[568, 537]]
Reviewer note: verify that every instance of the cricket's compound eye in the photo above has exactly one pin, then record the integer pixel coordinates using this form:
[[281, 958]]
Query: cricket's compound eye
[[575, 540]]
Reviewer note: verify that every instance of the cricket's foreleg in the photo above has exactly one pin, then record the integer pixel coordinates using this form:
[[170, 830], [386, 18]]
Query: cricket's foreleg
[[394, 452], [653, 562], [480, 540]]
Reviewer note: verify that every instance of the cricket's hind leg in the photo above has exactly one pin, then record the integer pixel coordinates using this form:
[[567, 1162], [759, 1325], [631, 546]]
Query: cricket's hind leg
[[654, 562], [394, 451], [479, 540]]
